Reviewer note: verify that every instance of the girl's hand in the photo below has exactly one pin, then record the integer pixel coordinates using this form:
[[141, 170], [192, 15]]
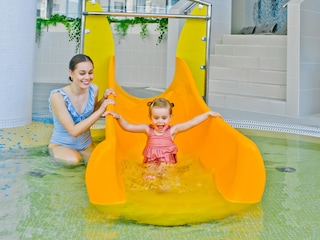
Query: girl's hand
[[108, 92], [214, 114], [113, 114]]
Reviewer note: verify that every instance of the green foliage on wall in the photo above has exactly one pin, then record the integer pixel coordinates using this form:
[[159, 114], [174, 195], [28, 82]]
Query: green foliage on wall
[[73, 26], [122, 26]]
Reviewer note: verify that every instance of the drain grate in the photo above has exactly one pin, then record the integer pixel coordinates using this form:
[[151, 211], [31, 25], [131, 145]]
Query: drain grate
[[285, 169]]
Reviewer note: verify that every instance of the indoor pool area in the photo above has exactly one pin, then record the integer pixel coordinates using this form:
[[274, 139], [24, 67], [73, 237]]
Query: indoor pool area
[[42, 199], [250, 174]]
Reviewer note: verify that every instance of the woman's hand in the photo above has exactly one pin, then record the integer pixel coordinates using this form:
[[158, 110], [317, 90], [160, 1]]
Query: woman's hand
[[107, 92], [104, 105]]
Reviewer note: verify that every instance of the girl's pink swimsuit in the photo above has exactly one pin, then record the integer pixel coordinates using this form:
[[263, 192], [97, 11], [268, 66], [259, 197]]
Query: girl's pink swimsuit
[[160, 148]]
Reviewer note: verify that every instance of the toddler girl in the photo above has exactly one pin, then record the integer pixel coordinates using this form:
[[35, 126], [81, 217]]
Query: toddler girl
[[160, 147]]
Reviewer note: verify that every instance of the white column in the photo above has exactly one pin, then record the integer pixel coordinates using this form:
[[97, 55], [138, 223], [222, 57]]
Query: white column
[[17, 41]]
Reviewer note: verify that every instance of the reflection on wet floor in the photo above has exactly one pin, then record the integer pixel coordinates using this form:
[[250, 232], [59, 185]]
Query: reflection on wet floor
[[38, 194]]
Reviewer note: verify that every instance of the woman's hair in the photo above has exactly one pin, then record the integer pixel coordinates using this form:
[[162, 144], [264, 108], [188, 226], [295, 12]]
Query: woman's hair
[[78, 59], [160, 103]]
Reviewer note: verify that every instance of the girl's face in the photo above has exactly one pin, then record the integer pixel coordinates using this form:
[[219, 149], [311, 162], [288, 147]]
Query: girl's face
[[83, 74], [160, 118]]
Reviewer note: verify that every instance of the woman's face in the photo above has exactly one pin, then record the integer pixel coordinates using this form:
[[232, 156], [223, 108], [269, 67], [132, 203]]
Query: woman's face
[[82, 74], [160, 118]]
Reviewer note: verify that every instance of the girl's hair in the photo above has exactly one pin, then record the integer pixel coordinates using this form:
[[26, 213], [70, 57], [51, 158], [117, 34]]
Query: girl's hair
[[78, 59], [160, 103]]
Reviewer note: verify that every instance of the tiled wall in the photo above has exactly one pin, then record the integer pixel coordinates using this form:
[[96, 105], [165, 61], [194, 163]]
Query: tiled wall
[[52, 55], [17, 53], [221, 20], [139, 63], [303, 65], [310, 58]]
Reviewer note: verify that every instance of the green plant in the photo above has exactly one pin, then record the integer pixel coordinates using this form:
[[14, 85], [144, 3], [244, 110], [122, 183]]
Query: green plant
[[162, 28], [122, 26], [73, 26], [74, 32], [144, 27]]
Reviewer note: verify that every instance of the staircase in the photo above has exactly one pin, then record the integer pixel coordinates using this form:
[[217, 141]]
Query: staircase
[[248, 73]]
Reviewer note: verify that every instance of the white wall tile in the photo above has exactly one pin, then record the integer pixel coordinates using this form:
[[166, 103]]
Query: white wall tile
[[307, 97], [309, 78], [277, 52], [310, 49]]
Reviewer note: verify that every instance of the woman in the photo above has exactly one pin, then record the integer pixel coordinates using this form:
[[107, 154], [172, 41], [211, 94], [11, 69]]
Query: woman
[[75, 108]]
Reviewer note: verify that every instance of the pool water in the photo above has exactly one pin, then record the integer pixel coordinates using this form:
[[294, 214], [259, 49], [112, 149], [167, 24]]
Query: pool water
[[42, 199], [172, 195]]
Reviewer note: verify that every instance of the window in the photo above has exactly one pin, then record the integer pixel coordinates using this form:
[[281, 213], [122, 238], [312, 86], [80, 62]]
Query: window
[[72, 8], [69, 8]]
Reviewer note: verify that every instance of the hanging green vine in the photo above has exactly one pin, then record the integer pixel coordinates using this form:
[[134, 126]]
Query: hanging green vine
[[122, 26], [144, 27], [73, 26], [162, 28], [74, 32]]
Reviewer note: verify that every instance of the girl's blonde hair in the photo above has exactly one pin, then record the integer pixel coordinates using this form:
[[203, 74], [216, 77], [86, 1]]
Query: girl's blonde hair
[[160, 103]]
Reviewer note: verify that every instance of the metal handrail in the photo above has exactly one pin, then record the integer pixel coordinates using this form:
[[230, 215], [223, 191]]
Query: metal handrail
[[148, 15]]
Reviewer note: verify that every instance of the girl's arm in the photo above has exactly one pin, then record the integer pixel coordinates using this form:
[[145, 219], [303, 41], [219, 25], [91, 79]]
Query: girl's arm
[[60, 110], [180, 127], [137, 128]]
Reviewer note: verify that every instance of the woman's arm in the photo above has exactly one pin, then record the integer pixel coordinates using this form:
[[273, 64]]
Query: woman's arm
[[60, 110], [137, 128], [180, 127]]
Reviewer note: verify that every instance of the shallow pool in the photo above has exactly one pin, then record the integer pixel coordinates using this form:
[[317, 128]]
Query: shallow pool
[[41, 199]]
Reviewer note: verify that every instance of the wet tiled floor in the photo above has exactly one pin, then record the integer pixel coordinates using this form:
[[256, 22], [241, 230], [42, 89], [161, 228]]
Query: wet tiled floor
[[41, 200]]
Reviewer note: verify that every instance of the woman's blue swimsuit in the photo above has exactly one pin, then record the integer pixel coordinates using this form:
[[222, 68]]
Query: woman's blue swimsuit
[[60, 135]]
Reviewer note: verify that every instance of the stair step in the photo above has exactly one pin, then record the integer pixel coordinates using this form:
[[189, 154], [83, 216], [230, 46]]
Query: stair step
[[273, 40], [262, 51], [249, 75], [248, 62], [248, 72], [256, 90]]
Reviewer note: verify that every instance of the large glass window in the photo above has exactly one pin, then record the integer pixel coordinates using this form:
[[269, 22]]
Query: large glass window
[[141, 6], [69, 8], [72, 8]]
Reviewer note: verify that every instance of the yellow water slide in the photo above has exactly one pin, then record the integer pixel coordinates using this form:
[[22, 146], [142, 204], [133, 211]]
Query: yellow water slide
[[232, 161]]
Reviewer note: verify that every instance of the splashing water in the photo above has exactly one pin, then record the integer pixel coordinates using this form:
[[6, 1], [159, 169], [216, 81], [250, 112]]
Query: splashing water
[[173, 194]]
